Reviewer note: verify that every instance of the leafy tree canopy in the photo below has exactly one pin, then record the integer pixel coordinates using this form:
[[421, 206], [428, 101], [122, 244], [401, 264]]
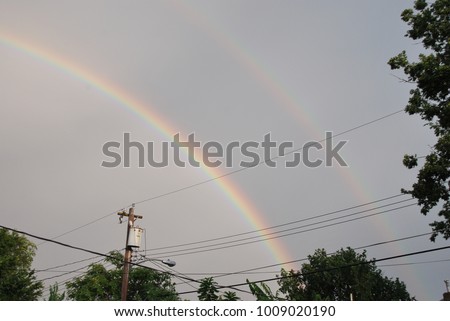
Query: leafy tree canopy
[[55, 295], [102, 284], [262, 292], [430, 23], [17, 279], [338, 277], [209, 291]]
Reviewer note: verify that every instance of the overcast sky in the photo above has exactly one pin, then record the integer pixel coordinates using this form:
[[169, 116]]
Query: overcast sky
[[226, 71]]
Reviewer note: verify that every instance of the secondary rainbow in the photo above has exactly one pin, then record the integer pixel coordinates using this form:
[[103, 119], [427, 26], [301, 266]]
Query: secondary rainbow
[[287, 101], [267, 80], [148, 113]]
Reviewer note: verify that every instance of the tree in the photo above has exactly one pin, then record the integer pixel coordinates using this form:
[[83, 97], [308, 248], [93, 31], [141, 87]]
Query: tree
[[55, 295], [430, 23], [17, 279], [208, 290], [262, 292], [338, 277], [230, 296], [100, 284]]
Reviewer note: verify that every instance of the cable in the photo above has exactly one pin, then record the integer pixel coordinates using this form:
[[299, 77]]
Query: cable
[[284, 235], [285, 230], [305, 259], [415, 263], [234, 285], [266, 160], [252, 270], [64, 282], [90, 251], [161, 267], [285, 224], [338, 267], [69, 272], [79, 227], [67, 264], [214, 274], [276, 226], [225, 175], [186, 281], [264, 238]]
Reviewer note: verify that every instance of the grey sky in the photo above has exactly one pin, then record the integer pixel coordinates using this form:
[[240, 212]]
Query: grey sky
[[226, 70]]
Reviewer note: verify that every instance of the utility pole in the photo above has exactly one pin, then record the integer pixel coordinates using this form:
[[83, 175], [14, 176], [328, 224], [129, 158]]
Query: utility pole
[[128, 250]]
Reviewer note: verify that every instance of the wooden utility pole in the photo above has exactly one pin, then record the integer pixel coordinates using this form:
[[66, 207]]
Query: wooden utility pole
[[128, 250]]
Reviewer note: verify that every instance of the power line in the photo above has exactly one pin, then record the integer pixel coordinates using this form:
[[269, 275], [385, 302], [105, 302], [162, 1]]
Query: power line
[[89, 251], [183, 281], [219, 275], [69, 272], [275, 272], [283, 235], [266, 160], [337, 268], [80, 227], [234, 287], [64, 282], [285, 230], [248, 271], [284, 224], [415, 263], [186, 281], [104, 255], [224, 175], [279, 225], [67, 264]]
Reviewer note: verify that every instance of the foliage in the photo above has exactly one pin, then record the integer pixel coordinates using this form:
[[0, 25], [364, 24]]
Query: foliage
[[338, 277], [229, 296], [262, 292], [208, 290], [430, 23], [17, 279], [101, 284], [55, 295]]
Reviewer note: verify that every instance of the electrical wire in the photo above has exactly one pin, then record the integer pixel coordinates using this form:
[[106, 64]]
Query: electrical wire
[[67, 264], [280, 225], [414, 263], [69, 272], [279, 236], [266, 160], [238, 284], [183, 281], [90, 251], [79, 227], [63, 283], [186, 281], [328, 254], [223, 175], [214, 274], [335, 268]]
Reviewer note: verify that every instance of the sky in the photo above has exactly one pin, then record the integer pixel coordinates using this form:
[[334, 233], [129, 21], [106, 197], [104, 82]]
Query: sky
[[76, 75]]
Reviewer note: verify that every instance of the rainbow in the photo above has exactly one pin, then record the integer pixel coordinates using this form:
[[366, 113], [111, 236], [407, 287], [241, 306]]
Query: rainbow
[[148, 114], [267, 80]]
